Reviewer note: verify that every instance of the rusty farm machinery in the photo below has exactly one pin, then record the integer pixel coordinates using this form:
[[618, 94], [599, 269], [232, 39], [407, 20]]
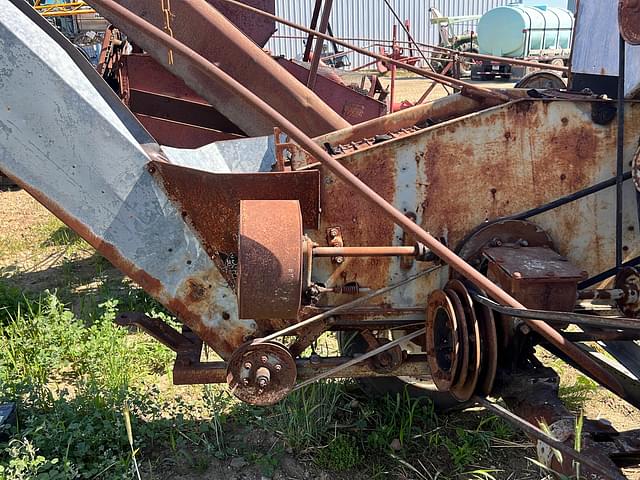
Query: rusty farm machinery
[[443, 244]]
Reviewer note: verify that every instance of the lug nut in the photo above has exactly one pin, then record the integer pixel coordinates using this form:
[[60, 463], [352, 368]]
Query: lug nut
[[278, 367], [247, 365], [264, 359], [263, 376]]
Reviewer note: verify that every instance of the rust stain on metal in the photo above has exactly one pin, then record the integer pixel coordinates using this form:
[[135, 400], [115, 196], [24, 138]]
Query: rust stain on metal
[[210, 202], [269, 259], [629, 21]]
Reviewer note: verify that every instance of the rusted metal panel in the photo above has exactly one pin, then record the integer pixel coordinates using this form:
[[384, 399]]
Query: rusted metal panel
[[195, 23], [210, 202], [258, 29], [353, 106], [482, 166]]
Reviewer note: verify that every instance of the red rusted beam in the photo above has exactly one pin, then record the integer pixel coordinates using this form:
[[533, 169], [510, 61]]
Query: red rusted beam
[[218, 77], [465, 86], [204, 29]]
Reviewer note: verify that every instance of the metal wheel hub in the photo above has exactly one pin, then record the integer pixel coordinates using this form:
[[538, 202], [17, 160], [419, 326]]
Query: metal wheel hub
[[261, 373]]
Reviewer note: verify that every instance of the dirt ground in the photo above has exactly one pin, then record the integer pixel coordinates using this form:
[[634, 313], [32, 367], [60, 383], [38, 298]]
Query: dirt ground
[[24, 222]]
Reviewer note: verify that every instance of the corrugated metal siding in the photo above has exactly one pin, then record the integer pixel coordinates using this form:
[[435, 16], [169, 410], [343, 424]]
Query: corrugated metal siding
[[372, 19]]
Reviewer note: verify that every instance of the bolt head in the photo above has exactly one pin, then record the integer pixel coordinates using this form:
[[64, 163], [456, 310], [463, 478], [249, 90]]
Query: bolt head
[[278, 367], [264, 359], [262, 382], [245, 382], [339, 260], [333, 232], [248, 365]]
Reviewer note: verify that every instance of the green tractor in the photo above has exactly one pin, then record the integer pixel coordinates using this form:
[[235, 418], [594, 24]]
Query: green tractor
[[465, 42]]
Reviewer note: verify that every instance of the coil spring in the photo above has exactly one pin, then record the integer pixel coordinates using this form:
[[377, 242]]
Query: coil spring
[[352, 288]]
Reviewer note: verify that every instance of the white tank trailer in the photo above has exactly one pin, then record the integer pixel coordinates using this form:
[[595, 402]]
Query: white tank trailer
[[539, 33]]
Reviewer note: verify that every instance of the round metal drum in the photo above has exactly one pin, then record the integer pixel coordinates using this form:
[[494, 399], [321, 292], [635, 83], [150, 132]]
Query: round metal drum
[[269, 259], [629, 21]]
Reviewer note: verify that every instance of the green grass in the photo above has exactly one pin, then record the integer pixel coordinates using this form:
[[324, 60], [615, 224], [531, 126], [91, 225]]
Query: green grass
[[74, 379], [79, 380]]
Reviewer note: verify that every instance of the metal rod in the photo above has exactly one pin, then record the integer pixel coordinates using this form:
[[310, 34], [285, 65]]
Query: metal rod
[[317, 52], [538, 434], [607, 274], [394, 70], [218, 77], [620, 151], [361, 358], [314, 23], [345, 306], [567, 199], [364, 251], [561, 317], [469, 87], [411, 40]]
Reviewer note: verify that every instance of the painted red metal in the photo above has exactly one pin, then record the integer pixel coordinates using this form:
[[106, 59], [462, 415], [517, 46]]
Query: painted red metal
[[206, 31], [258, 29], [182, 135], [149, 89], [351, 105]]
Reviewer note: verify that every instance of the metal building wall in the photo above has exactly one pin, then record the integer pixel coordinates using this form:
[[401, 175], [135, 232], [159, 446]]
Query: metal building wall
[[372, 19]]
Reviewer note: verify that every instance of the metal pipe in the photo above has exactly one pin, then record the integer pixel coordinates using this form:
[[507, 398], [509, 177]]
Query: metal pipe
[[475, 56], [364, 251], [314, 23], [620, 151], [317, 52], [394, 69], [538, 434], [218, 77], [411, 39], [465, 86]]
